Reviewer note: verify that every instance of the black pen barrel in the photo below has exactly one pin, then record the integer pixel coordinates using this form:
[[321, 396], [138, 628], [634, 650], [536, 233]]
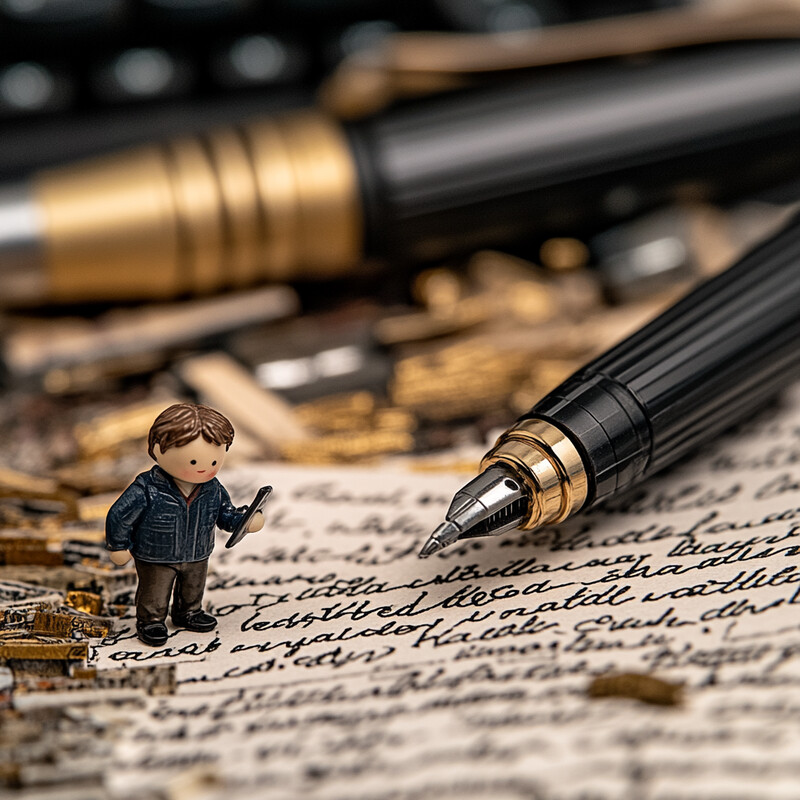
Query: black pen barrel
[[697, 369], [564, 153], [304, 196]]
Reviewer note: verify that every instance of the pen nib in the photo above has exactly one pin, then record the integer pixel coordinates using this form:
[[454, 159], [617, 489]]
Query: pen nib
[[442, 537], [490, 504]]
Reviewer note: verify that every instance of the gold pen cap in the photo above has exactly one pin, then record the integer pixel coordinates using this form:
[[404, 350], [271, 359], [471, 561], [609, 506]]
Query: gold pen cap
[[271, 200], [545, 459]]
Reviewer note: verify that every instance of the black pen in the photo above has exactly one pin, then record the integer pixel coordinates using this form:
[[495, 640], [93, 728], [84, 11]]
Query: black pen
[[303, 195], [697, 369]]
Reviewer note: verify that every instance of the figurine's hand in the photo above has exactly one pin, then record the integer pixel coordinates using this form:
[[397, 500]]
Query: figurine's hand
[[257, 523], [120, 557]]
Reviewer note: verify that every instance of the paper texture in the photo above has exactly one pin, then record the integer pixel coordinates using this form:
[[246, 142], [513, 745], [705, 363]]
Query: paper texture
[[344, 666]]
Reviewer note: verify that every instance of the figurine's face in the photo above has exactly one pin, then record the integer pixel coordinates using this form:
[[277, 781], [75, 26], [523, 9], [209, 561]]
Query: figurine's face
[[196, 462]]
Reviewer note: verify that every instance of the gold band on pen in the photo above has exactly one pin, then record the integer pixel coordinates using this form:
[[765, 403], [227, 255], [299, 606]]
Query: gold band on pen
[[550, 466], [272, 200]]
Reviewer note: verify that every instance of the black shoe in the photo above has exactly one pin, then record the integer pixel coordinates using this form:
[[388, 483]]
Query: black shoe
[[152, 633], [195, 621]]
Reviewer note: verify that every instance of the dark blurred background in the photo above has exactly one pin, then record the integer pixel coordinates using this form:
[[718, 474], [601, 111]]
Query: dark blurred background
[[80, 77], [378, 360]]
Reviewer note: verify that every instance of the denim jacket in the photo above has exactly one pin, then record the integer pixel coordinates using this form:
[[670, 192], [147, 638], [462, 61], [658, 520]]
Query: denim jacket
[[153, 519]]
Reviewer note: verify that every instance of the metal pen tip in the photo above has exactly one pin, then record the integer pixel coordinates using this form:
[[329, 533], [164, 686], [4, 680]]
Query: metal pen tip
[[442, 537]]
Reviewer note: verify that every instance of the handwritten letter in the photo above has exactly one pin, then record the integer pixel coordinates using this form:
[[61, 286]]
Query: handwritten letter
[[344, 666]]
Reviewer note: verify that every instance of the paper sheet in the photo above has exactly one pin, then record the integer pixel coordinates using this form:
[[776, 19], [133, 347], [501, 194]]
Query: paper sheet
[[344, 666]]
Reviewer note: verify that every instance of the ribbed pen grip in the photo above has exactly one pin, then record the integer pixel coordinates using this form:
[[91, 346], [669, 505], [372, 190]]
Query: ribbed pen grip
[[697, 369]]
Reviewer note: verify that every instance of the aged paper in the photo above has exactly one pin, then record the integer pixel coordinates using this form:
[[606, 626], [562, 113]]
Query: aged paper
[[345, 667]]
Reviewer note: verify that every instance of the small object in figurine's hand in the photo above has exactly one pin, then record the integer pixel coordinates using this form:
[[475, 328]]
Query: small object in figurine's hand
[[167, 517], [259, 501]]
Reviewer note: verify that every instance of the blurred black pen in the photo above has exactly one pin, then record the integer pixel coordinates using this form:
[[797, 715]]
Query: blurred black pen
[[699, 368], [305, 195]]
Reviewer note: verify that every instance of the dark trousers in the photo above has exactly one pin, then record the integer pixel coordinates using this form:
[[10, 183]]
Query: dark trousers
[[156, 581]]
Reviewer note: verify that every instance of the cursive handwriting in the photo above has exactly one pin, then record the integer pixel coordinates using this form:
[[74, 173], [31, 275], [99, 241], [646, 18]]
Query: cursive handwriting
[[343, 666]]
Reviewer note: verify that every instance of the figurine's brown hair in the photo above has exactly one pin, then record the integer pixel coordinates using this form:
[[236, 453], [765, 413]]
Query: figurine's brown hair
[[183, 423]]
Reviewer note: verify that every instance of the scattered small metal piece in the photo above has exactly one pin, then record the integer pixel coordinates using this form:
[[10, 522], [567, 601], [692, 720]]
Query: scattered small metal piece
[[637, 686]]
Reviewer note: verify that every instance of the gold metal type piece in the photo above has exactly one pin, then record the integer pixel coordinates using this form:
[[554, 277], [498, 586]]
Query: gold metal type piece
[[339, 412], [564, 253], [543, 378], [257, 413], [440, 290], [274, 199], [444, 384], [19, 550], [81, 673], [347, 447], [637, 686], [72, 352], [86, 602], [549, 464], [54, 624], [467, 466], [41, 649], [102, 474], [21, 484], [106, 433], [95, 508], [355, 413]]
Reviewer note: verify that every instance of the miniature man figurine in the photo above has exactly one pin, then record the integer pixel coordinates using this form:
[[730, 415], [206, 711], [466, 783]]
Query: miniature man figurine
[[166, 519]]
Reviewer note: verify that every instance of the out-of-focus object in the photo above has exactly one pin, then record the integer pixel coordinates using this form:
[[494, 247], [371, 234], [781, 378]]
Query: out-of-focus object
[[60, 352], [262, 416], [304, 196], [353, 412], [445, 385], [143, 73], [637, 686], [501, 16], [411, 64], [82, 77], [91, 76], [258, 59], [350, 447], [564, 253], [56, 16], [350, 427], [316, 355], [34, 88], [503, 289], [107, 432], [678, 245], [641, 257]]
